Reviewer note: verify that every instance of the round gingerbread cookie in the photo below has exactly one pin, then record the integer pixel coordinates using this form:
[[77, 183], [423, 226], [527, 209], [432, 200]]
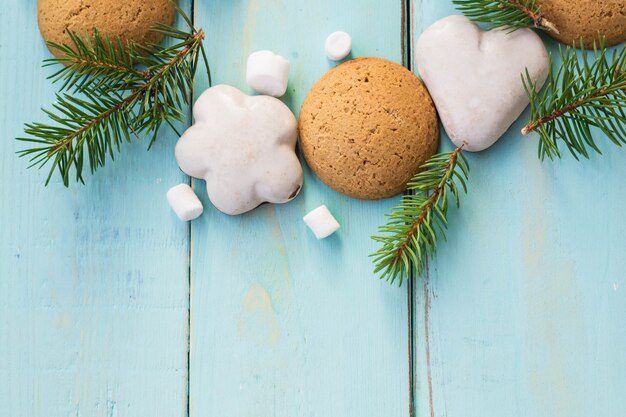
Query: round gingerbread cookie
[[129, 20], [586, 18], [367, 126]]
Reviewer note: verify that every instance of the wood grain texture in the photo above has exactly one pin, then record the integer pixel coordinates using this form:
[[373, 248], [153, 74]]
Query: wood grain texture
[[523, 310], [283, 324], [93, 279]]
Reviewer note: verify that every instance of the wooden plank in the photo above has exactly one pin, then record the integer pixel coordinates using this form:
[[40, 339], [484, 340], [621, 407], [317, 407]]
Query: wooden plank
[[93, 279], [283, 324], [522, 312]]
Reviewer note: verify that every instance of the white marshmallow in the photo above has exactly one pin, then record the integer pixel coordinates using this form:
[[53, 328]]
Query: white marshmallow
[[184, 202], [267, 73], [321, 222], [338, 45]]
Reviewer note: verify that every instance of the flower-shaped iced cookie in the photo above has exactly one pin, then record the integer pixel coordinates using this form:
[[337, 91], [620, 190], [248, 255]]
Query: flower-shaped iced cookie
[[243, 147]]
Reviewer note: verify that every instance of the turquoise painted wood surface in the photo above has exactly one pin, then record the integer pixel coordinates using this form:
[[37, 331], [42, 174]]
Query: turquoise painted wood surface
[[111, 307], [523, 312], [283, 324], [93, 279]]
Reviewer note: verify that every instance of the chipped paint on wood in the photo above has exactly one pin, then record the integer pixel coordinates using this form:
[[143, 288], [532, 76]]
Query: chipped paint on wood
[[257, 320]]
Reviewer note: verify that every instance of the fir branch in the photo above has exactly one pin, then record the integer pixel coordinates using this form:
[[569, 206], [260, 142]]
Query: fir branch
[[110, 94], [581, 97], [512, 14], [414, 226], [96, 59]]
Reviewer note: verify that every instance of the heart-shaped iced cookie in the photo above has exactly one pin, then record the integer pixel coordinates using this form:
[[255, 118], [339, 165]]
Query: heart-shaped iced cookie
[[474, 77]]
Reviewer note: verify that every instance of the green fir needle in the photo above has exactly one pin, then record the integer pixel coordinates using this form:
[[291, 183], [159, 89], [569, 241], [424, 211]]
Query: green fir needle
[[512, 14], [111, 93], [414, 227]]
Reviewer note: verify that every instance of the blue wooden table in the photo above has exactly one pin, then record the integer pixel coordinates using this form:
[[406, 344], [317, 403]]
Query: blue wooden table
[[109, 306]]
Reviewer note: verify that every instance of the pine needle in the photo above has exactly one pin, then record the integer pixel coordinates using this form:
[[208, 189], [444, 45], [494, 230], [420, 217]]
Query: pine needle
[[581, 98], [414, 226], [512, 14], [111, 93]]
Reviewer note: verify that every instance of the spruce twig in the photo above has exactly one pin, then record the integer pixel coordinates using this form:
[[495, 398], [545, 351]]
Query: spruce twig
[[98, 59], [580, 96], [414, 226], [111, 93], [512, 14]]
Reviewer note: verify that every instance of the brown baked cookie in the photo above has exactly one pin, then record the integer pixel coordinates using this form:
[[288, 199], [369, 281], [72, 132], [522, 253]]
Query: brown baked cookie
[[367, 126], [130, 20], [586, 18]]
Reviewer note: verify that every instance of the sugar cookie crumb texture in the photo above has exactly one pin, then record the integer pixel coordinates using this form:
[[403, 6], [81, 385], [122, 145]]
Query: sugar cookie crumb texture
[[130, 20], [585, 18], [366, 127]]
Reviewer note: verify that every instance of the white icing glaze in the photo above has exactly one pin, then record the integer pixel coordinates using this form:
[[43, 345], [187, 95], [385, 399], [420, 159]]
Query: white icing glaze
[[243, 147], [474, 77]]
